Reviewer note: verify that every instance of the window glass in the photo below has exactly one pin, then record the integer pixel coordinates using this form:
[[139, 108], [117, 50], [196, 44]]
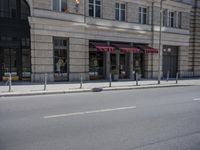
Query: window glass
[[98, 2], [171, 19], [98, 11], [13, 8], [60, 56], [91, 1], [26, 63], [142, 15], [91, 10], [120, 12], [64, 6], [95, 8], [56, 5], [117, 14], [24, 10], [165, 18], [179, 19], [123, 14]]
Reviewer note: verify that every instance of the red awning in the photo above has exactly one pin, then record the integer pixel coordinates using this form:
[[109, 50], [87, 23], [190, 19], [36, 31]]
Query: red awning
[[103, 47], [148, 49], [126, 48]]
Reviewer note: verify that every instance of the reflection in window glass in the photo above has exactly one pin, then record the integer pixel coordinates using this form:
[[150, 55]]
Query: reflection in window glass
[[60, 58], [64, 5]]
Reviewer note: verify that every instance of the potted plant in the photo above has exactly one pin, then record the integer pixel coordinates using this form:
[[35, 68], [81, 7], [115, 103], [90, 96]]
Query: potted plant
[[115, 75]]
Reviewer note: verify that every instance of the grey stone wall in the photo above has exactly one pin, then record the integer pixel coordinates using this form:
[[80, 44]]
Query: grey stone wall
[[41, 57], [194, 50], [42, 4], [78, 59], [183, 60], [185, 21]]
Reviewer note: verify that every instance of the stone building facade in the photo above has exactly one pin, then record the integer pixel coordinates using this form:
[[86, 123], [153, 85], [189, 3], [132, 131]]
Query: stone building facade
[[94, 38], [194, 51]]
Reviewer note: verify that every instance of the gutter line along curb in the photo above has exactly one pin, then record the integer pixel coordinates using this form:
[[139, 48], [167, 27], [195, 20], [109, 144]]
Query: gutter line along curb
[[87, 90]]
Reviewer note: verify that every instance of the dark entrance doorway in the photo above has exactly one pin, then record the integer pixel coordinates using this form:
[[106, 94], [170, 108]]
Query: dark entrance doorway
[[123, 67], [170, 61], [15, 51], [9, 64]]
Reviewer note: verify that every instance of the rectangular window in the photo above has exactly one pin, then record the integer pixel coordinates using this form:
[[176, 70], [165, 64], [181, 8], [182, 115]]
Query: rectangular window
[[179, 19], [142, 15], [95, 8], [60, 58], [56, 5], [165, 18], [171, 19], [60, 5], [120, 12]]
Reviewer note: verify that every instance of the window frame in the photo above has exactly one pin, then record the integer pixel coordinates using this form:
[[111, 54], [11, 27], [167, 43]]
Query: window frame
[[179, 19], [141, 15], [172, 24], [60, 6], [120, 9], [94, 5]]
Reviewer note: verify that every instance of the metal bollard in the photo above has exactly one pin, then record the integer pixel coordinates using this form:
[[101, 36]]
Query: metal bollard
[[81, 81], [177, 78], [167, 76], [10, 82], [110, 80], [45, 82], [136, 76]]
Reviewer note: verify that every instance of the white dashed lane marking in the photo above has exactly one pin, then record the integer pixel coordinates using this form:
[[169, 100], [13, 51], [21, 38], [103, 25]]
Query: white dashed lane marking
[[196, 99], [89, 112]]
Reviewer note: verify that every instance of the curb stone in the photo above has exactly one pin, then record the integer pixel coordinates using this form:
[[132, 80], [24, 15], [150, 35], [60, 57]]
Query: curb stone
[[14, 94]]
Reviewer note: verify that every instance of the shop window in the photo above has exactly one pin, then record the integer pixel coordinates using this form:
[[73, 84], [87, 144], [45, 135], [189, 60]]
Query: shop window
[[120, 12], [26, 63], [60, 58], [96, 63], [95, 8]]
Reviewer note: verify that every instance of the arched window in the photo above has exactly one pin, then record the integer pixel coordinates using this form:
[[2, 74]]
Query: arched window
[[24, 10], [18, 9]]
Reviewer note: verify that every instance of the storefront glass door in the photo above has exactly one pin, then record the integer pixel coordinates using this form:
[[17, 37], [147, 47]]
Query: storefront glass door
[[123, 68], [97, 70]]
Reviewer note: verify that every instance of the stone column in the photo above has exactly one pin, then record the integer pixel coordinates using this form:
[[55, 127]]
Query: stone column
[[131, 65], [107, 65]]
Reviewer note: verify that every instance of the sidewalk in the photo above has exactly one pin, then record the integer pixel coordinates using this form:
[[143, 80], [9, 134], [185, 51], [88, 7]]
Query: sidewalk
[[28, 88]]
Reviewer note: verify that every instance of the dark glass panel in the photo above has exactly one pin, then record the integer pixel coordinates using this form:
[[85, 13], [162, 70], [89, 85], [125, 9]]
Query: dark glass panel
[[91, 10], [98, 11]]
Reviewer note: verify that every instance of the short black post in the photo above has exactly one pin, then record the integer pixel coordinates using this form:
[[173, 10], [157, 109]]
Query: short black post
[[167, 76], [110, 80], [45, 82], [81, 81], [177, 78], [10, 82], [136, 76]]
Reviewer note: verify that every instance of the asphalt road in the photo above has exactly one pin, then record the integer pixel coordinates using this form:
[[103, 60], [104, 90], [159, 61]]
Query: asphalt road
[[148, 119]]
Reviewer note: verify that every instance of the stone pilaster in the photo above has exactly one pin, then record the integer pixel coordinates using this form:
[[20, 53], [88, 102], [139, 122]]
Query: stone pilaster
[[78, 59], [41, 57]]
